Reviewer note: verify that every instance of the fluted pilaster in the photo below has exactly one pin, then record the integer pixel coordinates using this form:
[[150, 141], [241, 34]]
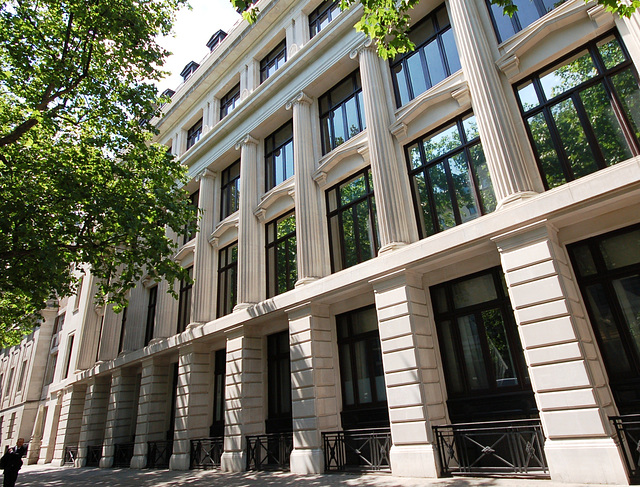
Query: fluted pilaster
[[201, 311], [497, 132], [385, 167], [249, 235], [309, 229]]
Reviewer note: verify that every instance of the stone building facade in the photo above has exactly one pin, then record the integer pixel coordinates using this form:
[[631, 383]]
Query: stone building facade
[[386, 251]]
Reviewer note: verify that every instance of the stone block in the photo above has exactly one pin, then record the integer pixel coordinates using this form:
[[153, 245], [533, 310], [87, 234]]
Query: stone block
[[398, 343], [408, 413], [548, 332], [413, 461], [582, 398], [403, 396], [414, 433], [390, 312], [554, 353], [560, 376], [395, 328], [527, 255], [401, 360], [529, 293], [531, 273], [573, 423], [402, 378]]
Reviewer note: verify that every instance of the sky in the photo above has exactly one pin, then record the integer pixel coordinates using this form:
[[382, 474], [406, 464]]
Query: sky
[[192, 30]]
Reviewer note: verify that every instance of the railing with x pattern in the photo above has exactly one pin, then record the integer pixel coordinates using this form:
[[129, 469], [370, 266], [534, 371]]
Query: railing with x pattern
[[362, 450]]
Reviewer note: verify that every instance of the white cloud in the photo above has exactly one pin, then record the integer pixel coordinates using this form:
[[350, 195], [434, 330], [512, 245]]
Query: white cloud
[[192, 29]]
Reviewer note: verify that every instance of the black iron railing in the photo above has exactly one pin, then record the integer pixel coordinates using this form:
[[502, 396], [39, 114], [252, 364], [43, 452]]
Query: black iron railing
[[122, 455], [361, 450], [70, 454], [628, 429], [94, 454], [159, 453], [269, 452], [206, 452], [496, 448]]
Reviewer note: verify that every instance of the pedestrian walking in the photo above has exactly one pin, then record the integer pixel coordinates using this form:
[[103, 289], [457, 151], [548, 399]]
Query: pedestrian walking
[[11, 462]]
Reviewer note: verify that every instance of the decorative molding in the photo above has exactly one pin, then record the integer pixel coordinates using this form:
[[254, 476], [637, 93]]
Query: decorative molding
[[462, 95], [601, 17], [186, 249], [245, 140], [350, 147], [320, 178], [301, 97], [509, 65], [231, 221], [260, 214], [284, 189], [367, 44], [205, 173], [399, 130]]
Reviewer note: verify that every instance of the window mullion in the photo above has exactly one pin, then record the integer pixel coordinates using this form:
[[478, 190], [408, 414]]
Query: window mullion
[[586, 126]]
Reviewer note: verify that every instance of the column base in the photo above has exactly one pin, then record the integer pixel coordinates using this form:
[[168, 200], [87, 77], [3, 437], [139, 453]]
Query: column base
[[106, 461], [138, 462], [414, 461], [179, 461], [233, 462], [390, 247], [516, 198], [596, 461], [307, 461]]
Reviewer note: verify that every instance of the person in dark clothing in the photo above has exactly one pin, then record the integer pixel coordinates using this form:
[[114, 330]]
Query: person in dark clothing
[[13, 462]]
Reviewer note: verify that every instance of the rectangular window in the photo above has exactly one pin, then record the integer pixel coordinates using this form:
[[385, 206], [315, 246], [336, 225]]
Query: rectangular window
[[12, 422], [278, 156], [227, 279], [219, 373], [322, 16], [51, 368], [449, 177], [1, 383], [151, 314], [583, 113], [341, 112], [194, 134], [23, 371], [9, 381], [282, 270], [434, 58], [123, 327], [76, 303], [67, 362], [229, 101], [608, 271], [273, 61], [184, 302], [528, 12], [57, 324], [364, 395], [230, 190], [481, 351], [278, 383], [190, 230], [353, 226]]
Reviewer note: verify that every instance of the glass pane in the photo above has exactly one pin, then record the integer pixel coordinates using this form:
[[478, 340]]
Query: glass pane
[[439, 298], [288, 157], [621, 250], [470, 126], [611, 53], [576, 146], [339, 135], [472, 291], [363, 117], [336, 246], [441, 196], [504, 26], [362, 373], [271, 262], [341, 92], [584, 261], [451, 51], [453, 375], [443, 18], [292, 256], [467, 206], [348, 230], [528, 96], [353, 123], [605, 327], [605, 124], [547, 155], [347, 375], [364, 321], [441, 143], [422, 194], [628, 293], [281, 268], [434, 62], [366, 240], [414, 156], [400, 77], [503, 369], [422, 31], [326, 134], [472, 351], [627, 89], [278, 163], [378, 371], [352, 190], [417, 75], [574, 71], [483, 178], [527, 12]]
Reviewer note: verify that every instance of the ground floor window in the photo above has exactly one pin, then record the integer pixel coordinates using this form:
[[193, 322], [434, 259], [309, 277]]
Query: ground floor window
[[484, 366], [278, 383], [608, 271], [364, 395], [219, 376]]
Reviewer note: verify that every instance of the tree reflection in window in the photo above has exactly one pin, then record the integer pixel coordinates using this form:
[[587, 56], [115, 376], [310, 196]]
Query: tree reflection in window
[[282, 271], [583, 114], [449, 175]]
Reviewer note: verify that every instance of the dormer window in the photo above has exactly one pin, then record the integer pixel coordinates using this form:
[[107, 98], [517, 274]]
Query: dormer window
[[188, 70], [194, 134], [229, 101], [216, 39], [273, 61]]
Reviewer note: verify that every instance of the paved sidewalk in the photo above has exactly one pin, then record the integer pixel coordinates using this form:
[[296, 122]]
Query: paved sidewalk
[[48, 476]]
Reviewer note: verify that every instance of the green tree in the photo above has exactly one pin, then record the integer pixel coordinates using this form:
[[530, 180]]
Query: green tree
[[387, 21], [80, 181]]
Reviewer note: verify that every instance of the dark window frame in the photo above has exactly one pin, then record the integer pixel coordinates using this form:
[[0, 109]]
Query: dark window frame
[[351, 206], [229, 101], [227, 272], [194, 133], [515, 22], [219, 381], [271, 152], [327, 116], [67, 364], [229, 190], [123, 324], [403, 59], [291, 272], [464, 147], [602, 79], [194, 199], [184, 302], [276, 58], [327, 10], [150, 322], [279, 403]]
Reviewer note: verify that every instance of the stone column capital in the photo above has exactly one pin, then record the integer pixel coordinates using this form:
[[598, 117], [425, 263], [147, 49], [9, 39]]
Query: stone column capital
[[247, 139], [367, 44], [300, 98], [205, 173]]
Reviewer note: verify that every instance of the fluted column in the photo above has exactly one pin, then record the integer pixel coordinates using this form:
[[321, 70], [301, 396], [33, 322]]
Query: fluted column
[[385, 168], [499, 139], [93, 417], [250, 250], [202, 311], [310, 238]]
